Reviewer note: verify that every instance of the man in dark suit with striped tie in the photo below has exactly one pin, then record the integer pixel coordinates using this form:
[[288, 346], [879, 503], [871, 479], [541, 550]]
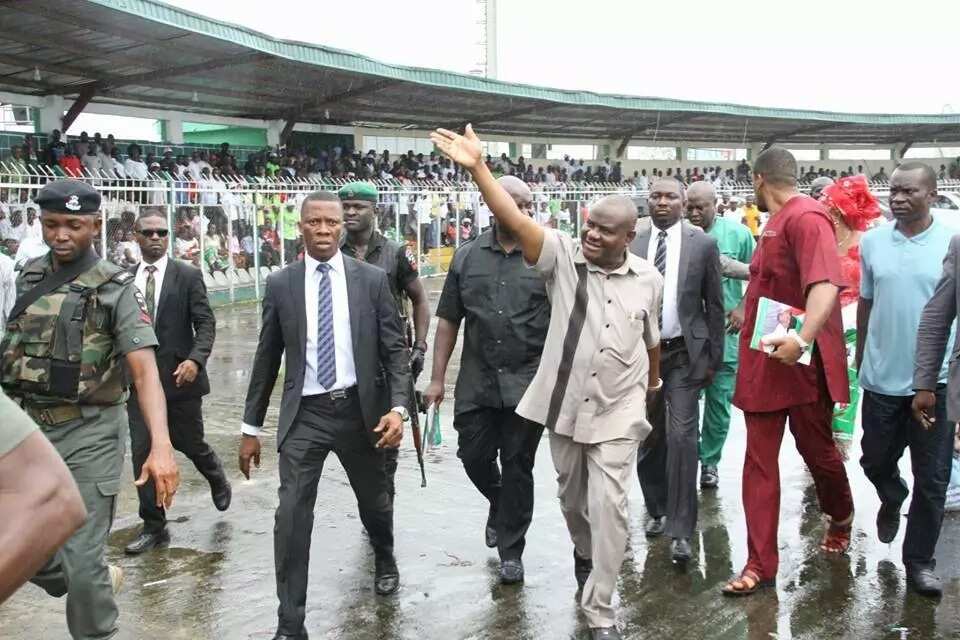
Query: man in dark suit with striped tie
[[176, 299], [346, 389]]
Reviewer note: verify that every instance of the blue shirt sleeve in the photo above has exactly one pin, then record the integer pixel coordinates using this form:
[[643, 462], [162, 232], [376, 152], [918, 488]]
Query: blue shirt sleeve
[[866, 273]]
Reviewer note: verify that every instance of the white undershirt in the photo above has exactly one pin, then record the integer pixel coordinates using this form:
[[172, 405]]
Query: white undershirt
[[671, 319], [141, 278], [342, 336]]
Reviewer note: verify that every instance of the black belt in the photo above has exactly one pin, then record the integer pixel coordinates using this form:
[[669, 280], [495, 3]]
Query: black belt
[[672, 343], [331, 396]]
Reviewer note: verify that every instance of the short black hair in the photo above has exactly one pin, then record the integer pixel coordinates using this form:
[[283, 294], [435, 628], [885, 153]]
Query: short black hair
[[929, 175], [777, 166], [149, 213], [319, 196]]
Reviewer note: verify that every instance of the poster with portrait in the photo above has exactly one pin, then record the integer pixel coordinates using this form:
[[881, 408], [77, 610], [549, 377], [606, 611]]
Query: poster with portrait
[[776, 320]]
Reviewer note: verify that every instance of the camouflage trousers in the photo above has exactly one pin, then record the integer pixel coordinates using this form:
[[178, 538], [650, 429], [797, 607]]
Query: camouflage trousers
[[93, 448]]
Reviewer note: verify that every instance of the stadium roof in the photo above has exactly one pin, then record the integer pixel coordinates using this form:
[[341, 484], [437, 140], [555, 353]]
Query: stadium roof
[[144, 53]]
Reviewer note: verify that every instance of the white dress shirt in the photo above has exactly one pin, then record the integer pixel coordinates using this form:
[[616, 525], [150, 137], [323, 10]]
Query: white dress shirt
[[8, 290], [342, 334], [141, 279], [671, 319]]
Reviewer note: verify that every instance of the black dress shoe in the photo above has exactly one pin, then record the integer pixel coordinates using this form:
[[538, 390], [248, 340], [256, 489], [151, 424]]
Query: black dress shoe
[[386, 579], [605, 633], [490, 531], [511, 571], [925, 582], [581, 569], [709, 477], [888, 521], [655, 527], [222, 494], [299, 636], [680, 550], [146, 541]]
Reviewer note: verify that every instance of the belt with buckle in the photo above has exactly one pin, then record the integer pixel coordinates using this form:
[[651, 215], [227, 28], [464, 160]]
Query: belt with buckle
[[672, 343], [336, 394], [53, 416]]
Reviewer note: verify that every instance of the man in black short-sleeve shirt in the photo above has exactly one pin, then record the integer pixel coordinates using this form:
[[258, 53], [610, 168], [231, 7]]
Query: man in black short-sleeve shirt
[[507, 314]]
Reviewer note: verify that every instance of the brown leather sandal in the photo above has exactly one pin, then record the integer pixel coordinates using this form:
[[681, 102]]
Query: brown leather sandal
[[747, 584], [836, 539]]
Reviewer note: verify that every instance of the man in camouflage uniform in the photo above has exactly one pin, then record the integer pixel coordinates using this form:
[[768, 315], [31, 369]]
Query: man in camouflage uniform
[[78, 333], [364, 242]]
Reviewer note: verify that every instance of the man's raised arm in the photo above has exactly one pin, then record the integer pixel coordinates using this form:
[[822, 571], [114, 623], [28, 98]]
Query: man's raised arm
[[465, 150]]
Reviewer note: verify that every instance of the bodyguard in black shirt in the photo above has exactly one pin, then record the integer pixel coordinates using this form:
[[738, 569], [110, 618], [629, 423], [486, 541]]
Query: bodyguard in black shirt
[[507, 314]]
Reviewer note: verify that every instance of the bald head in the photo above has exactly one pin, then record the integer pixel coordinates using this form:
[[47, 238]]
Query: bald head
[[519, 191], [619, 210], [702, 189], [818, 185], [515, 187]]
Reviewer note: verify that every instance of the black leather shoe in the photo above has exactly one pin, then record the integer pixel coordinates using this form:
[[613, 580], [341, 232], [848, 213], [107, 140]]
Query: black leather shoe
[[300, 636], [386, 579], [605, 633], [925, 582], [680, 550], [888, 521], [511, 571], [490, 532], [581, 569], [655, 527], [222, 493], [147, 541], [709, 477]]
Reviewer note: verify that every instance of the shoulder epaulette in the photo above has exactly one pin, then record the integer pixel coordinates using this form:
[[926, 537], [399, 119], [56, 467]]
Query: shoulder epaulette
[[122, 277]]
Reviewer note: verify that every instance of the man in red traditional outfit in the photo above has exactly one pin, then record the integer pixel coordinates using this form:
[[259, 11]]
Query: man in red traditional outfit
[[795, 263]]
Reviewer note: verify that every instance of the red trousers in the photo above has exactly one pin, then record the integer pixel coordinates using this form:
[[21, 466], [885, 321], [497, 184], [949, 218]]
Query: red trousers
[[810, 425]]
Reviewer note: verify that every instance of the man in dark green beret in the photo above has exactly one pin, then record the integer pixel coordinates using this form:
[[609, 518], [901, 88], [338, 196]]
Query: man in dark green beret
[[77, 320], [364, 242]]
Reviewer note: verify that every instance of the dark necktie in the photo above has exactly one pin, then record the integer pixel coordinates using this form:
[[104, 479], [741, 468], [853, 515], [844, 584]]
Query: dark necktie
[[150, 292], [326, 347], [660, 258]]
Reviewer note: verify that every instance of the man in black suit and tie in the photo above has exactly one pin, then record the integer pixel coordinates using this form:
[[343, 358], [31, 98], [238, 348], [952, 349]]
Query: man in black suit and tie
[[345, 390], [691, 352], [176, 299]]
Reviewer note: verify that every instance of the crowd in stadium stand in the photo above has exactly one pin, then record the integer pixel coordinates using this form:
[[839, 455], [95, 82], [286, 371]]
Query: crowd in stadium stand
[[104, 157]]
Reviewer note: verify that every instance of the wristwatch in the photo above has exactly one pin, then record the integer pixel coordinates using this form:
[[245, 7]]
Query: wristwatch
[[404, 414], [804, 345]]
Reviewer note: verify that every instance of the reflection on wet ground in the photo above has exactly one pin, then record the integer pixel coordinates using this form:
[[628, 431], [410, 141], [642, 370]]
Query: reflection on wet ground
[[215, 581]]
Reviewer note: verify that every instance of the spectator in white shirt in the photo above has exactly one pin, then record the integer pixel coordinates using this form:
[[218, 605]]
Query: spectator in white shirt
[[91, 160], [8, 290], [133, 166]]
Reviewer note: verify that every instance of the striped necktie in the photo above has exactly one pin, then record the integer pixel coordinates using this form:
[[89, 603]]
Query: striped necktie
[[326, 351], [150, 291], [660, 258]]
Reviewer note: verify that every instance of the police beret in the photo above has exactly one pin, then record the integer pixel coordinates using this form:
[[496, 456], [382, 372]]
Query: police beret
[[68, 196], [359, 191]]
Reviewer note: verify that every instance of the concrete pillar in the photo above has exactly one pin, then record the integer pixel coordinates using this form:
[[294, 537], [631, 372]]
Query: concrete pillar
[[50, 114], [173, 129], [682, 155], [274, 127]]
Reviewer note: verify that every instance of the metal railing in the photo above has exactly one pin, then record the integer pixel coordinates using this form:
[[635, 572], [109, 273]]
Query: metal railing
[[239, 229]]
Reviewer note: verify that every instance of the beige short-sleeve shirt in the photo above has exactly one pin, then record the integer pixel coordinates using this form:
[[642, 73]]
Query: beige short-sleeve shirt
[[592, 386]]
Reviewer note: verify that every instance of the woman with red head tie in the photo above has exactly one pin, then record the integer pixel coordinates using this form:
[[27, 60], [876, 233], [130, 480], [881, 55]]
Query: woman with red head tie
[[853, 209]]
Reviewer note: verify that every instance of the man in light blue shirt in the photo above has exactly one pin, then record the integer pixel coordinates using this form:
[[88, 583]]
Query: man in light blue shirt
[[900, 266]]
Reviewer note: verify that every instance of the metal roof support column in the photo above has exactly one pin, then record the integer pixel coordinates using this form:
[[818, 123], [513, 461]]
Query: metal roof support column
[[86, 95]]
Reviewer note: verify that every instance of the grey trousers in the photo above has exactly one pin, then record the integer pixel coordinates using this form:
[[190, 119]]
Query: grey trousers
[[594, 482], [93, 449], [668, 460]]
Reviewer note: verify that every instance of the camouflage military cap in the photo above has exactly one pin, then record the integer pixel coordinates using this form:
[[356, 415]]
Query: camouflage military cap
[[69, 196], [359, 191]]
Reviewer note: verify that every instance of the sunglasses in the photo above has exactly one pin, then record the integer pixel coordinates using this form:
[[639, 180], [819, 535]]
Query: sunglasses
[[149, 233]]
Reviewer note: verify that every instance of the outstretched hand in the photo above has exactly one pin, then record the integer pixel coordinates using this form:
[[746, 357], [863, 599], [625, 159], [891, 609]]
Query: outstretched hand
[[463, 149]]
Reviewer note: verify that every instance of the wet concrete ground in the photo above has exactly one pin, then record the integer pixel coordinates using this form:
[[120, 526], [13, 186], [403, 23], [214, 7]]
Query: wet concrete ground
[[216, 581]]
